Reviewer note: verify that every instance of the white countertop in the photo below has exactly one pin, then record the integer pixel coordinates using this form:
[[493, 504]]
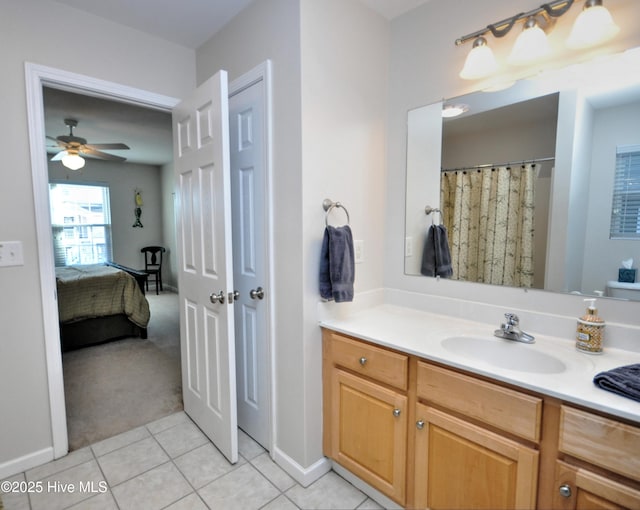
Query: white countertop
[[421, 334]]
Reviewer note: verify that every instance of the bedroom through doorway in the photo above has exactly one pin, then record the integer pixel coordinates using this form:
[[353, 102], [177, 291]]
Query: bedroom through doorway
[[113, 385]]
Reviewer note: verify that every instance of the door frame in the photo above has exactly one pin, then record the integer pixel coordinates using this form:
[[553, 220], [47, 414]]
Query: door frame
[[37, 76]]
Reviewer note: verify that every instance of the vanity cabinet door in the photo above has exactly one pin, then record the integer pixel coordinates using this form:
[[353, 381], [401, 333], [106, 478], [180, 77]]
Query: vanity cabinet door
[[580, 489], [461, 465], [368, 432]]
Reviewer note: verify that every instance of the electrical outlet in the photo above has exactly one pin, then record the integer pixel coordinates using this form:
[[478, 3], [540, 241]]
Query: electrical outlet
[[408, 246], [358, 248], [11, 253]]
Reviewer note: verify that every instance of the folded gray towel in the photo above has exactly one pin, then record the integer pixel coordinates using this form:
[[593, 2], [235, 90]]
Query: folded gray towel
[[337, 265], [436, 257], [624, 381]]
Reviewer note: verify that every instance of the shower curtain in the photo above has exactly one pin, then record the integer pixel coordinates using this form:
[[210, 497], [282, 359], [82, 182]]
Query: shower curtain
[[489, 213]]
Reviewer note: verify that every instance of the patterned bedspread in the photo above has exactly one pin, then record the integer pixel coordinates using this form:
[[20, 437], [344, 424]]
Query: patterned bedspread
[[97, 290]]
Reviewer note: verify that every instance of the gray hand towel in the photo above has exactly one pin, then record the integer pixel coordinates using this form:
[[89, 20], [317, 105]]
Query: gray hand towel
[[337, 266], [624, 381], [436, 257]]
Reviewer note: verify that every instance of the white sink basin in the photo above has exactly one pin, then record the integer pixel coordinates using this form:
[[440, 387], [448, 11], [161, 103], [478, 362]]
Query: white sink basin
[[505, 354]]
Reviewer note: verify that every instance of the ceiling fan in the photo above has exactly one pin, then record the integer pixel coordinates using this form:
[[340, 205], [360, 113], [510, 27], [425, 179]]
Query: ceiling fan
[[72, 146]]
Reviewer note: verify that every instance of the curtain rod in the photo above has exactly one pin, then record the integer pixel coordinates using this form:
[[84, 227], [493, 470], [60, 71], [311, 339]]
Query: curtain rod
[[519, 162]]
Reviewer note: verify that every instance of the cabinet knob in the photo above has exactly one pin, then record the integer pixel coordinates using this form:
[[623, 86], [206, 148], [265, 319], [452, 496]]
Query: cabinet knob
[[565, 491], [396, 412], [363, 360], [420, 424]]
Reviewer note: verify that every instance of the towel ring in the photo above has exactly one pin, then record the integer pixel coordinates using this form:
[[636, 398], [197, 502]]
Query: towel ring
[[428, 210], [328, 205]]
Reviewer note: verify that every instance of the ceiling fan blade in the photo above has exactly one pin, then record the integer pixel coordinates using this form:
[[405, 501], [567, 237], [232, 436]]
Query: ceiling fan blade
[[57, 142], [101, 155], [59, 156], [108, 146]]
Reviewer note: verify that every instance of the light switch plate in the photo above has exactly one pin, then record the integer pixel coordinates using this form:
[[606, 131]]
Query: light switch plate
[[358, 248], [408, 246], [11, 253]]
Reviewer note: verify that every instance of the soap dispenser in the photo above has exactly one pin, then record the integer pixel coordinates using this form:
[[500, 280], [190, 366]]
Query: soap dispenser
[[590, 330]]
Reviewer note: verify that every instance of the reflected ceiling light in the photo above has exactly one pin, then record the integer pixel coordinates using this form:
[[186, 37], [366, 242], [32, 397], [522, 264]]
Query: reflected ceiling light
[[593, 26], [72, 160], [453, 110], [531, 44], [480, 61]]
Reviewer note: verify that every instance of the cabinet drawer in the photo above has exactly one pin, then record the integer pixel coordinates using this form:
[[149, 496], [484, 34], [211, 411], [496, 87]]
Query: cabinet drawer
[[384, 366], [601, 441], [509, 410]]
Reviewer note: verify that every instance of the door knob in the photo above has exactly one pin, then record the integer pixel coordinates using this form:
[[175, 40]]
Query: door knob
[[217, 298], [256, 293], [233, 296], [420, 424], [396, 412]]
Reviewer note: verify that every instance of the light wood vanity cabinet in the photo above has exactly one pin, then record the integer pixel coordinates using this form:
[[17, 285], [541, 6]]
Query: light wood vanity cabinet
[[599, 465], [432, 437], [467, 451], [365, 412]]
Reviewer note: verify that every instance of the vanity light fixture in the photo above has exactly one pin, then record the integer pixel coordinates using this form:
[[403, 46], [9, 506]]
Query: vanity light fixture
[[453, 110], [72, 160], [593, 26], [532, 44]]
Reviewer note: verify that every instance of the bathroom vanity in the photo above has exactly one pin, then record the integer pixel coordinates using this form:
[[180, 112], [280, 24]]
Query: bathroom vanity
[[419, 414]]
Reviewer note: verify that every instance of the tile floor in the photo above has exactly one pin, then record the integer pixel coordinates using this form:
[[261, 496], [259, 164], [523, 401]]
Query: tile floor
[[170, 464]]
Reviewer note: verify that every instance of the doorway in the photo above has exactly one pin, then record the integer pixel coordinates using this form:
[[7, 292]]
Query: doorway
[[37, 77]]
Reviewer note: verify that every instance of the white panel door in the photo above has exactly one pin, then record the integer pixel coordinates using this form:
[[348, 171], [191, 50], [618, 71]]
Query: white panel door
[[205, 270], [250, 223]]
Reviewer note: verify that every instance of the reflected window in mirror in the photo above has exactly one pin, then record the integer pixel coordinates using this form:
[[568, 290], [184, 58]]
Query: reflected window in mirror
[[625, 209]]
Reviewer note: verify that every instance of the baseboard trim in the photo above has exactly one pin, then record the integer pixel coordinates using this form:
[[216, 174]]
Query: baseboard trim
[[15, 466], [304, 476], [374, 494]]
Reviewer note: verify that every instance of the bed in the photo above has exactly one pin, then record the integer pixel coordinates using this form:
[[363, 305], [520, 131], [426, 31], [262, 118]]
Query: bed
[[100, 302]]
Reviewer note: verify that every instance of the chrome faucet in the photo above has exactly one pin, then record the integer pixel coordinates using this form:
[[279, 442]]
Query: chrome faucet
[[511, 330]]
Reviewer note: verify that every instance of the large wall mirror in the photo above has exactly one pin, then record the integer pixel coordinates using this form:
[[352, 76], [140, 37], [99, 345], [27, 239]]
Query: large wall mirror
[[524, 180]]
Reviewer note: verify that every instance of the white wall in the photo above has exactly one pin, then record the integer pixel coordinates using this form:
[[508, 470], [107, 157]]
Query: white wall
[[424, 68], [612, 127], [123, 179], [37, 31], [344, 91]]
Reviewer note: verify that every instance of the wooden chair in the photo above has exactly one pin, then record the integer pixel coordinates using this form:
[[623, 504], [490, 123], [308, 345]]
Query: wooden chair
[[153, 264]]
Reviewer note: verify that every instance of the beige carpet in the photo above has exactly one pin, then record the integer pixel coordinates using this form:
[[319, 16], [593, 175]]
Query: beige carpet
[[120, 385]]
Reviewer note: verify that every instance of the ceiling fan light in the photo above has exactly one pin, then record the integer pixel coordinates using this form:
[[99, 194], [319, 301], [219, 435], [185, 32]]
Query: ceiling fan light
[[531, 45], [480, 61], [593, 26], [73, 161]]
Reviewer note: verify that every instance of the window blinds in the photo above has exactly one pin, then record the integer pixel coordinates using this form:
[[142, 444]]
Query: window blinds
[[625, 209]]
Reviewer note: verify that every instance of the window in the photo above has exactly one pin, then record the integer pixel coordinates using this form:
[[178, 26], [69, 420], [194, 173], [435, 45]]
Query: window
[[625, 209], [81, 223]]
